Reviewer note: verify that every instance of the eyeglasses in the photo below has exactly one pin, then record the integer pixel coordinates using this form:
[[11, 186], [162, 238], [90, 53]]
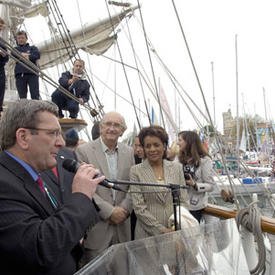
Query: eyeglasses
[[52, 132], [109, 124]]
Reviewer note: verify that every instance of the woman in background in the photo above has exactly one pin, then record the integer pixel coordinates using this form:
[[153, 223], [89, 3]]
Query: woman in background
[[173, 152], [197, 167], [154, 208]]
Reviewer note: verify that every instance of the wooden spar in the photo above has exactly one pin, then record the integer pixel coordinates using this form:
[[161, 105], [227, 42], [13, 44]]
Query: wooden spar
[[68, 123], [268, 224]]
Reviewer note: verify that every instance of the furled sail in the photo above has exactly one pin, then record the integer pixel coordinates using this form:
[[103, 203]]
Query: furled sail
[[23, 4], [95, 38], [39, 9]]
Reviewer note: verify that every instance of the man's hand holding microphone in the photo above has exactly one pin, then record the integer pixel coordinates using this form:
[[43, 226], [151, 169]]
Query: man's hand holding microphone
[[84, 181]]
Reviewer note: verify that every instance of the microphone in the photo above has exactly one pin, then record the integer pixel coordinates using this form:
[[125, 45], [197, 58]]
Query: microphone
[[72, 166]]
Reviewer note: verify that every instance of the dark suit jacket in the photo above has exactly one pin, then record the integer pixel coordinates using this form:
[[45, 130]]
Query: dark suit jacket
[[62, 187], [80, 88], [35, 238]]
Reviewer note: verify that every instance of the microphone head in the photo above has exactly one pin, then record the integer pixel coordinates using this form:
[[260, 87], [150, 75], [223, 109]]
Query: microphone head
[[70, 165]]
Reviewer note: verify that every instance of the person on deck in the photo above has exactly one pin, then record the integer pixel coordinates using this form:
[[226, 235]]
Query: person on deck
[[76, 83], [114, 159], [138, 151], [40, 233], [23, 76], [71, 139], [139, 156], [3, 60], [153, 207], [95, 130], [198, 171], [172, 152]]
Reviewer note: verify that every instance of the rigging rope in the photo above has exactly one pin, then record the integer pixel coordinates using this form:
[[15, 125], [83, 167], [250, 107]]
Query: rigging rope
[[16, 55], [67, 41], [142, 88], [151, 64], [250, 218], [115, 76], [120, 4], [172, 79], [69, 44], [54, 37], [175, 81], [146, 81], [124, 70], [90, 67], [123, 98], [217, 138]]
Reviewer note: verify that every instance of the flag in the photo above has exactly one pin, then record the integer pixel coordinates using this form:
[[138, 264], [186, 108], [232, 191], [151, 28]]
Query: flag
[[202, 136], [132, 136], [205, 144], [154, 117]]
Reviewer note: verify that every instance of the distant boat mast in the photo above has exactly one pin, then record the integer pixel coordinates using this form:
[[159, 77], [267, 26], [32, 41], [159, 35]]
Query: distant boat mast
[[237, 107], [264, 105], [213, 88]]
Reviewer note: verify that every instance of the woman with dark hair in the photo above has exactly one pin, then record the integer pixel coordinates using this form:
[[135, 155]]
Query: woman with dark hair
[[198, 173], [153, 205]]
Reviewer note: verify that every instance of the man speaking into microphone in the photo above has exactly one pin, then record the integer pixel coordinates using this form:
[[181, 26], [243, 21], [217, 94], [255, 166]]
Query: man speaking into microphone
[[39, 234]]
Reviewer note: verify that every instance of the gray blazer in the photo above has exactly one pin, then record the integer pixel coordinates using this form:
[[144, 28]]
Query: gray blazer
[[205, 183], [99, 236], [154, 209]]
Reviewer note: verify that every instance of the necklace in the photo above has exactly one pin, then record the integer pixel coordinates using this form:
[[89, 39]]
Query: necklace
[[159, 173]]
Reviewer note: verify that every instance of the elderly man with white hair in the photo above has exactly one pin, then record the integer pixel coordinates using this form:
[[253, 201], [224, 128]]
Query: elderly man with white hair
[[114, 160]]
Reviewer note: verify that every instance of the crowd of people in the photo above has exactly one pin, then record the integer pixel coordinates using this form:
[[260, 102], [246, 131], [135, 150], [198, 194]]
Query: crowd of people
[[53, 221], [26, 72]]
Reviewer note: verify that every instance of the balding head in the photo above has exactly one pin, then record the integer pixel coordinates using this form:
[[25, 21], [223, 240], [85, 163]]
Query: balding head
[[114, 115], [112, 126]]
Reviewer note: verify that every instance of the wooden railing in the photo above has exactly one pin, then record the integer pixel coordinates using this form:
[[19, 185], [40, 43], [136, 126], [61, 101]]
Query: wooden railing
[[268, 224]]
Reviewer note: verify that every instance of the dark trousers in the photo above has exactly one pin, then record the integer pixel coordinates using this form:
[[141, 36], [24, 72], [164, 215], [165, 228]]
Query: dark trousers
[[22, 82], [133, 219], [65, 103], [2, 89]]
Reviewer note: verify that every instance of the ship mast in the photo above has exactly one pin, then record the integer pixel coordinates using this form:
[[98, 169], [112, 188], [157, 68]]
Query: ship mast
[[237, 108], [213, 89]]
